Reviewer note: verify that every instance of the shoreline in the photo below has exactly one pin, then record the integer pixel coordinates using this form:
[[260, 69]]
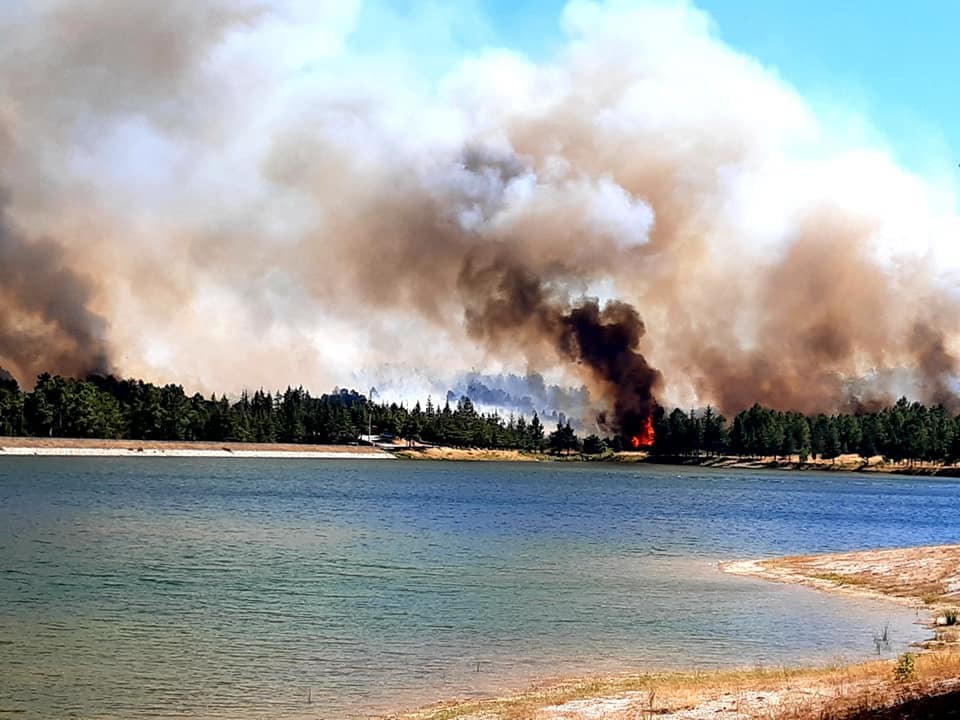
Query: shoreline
[[841, 464], [79, 447], [849, 463], [926, 577], [920, 577], [92, 447]]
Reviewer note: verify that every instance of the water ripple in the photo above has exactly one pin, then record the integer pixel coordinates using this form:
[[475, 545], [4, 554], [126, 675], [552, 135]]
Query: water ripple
[[214, 589]]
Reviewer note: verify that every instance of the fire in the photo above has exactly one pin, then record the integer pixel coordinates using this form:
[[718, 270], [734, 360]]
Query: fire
[[646, 437]]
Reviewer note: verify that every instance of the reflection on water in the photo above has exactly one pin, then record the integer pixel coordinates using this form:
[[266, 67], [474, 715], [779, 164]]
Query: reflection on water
[[233, 588]]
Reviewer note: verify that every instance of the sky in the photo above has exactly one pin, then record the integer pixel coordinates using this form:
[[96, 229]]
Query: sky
[[895, 63]]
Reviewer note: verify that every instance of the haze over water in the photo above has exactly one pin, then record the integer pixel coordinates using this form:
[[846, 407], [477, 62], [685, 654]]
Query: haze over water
[[215, 589]]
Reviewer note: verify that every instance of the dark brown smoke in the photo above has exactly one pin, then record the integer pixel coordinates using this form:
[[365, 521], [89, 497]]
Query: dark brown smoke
[[938, 366], [606, 342], [830, 321], [45, 320], [507, 303]]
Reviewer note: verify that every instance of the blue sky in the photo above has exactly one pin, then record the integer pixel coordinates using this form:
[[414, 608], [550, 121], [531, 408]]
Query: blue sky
[[895, 63]]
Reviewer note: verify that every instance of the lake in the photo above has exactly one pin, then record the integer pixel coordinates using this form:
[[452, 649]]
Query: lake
[[175, 588]]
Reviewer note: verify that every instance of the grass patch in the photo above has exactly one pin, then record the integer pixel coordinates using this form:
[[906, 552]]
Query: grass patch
[[839, 579]]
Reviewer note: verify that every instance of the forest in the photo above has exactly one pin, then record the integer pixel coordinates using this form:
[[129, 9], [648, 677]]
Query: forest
[[112, 408]]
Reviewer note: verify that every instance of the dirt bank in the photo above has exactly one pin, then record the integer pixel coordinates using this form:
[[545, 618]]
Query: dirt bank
[[66, 447], [450, 453]]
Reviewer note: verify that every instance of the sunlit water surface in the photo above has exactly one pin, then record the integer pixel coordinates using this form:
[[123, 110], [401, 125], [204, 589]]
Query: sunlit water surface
[[170, 588]]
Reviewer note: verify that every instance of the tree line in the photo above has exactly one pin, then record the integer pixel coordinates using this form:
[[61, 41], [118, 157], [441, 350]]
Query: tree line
[[113, 408], [903, 431]]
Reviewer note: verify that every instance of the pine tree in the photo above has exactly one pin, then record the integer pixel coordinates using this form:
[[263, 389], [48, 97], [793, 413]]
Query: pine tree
[[535, 434]]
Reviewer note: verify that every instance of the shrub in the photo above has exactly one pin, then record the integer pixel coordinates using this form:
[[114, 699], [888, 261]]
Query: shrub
[[593, 445], [906, 668], [951, 616]]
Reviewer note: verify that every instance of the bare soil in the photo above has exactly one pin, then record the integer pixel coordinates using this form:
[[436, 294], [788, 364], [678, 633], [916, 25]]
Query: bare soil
[[916, 576], [85, 444]]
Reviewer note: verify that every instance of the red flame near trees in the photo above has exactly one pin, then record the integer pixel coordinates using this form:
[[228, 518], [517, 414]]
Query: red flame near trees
[[646, 437]]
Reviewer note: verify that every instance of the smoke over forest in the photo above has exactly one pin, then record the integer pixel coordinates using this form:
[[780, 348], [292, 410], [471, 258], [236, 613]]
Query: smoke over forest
[[45, 320], [243, 193]]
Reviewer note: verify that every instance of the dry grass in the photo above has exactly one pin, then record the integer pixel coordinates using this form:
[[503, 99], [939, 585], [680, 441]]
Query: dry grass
[[773, 694], [667, 690], [449, 453]]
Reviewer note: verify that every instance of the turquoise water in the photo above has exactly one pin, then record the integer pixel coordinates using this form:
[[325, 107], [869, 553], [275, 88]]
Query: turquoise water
[[174, 588]]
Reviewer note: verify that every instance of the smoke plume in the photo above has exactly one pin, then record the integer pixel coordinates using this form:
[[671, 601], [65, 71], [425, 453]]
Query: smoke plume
[[245, 193], [45, 324], [506, 303]]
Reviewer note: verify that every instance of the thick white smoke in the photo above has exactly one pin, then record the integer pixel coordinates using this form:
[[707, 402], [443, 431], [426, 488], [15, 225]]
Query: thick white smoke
[[254, 201]]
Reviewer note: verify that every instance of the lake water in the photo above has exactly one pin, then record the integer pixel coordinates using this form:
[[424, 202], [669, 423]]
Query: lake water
[[173, 588]]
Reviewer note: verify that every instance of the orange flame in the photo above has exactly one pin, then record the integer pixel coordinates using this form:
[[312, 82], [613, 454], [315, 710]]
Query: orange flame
[[646, 437]]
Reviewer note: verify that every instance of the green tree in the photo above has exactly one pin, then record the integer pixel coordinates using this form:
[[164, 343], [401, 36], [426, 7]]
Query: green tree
[[714, 431], [44, 406], [563, 439], [535, 434], [593, 445], [11, 406]]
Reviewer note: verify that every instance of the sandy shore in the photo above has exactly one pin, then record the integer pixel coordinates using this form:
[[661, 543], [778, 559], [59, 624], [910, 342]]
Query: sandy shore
[[917, 576], [927, 577], [68, 447]]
